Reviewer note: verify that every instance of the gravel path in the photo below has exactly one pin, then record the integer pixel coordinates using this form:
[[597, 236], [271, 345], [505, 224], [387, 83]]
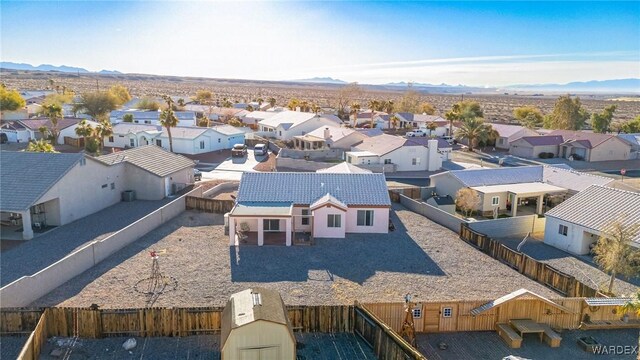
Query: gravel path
[[34, 255], [10, 346], [427, 260], [582, 267]]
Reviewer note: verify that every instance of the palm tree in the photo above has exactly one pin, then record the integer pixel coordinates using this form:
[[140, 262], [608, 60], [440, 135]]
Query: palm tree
[[373, 106], [304, 106], [54, 113], [103, 130], [432, 126], [226, 103], [394, 121], [272, 101], [85, 130], [475, 130], [44, 131], [315, 108], [355, 109], [168, 119], [40, 146]]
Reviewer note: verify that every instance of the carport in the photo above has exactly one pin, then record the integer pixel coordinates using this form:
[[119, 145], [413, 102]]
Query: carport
[[520, 193]]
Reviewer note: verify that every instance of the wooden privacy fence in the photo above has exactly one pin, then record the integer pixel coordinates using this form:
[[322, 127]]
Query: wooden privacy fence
[[411, 192], [539, 271], [384, 341], [33, 346], [209, 205], [79, 142]]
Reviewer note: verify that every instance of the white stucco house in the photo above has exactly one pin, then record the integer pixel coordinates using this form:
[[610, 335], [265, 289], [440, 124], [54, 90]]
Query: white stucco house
[[509, 133], [273, 208], [402, 154], [328, 137], [15, 131], [421, 121], [576, 224], [66, 127], [634, 140], [148, 117], [186, 140], [287, 124]]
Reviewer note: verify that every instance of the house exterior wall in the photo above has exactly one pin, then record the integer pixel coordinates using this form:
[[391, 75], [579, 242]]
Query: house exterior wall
[[451, 209], [70, 131], [348, 141], [485, 201], [445, 184], [146, 185], [297, 212], [524, 149], [320, 228], [612, 149], [380, 221], [119, 141], [259, 336], [363, 160], [403, 158], [84, 182], [575, 242], [17, 136], [302, 128]]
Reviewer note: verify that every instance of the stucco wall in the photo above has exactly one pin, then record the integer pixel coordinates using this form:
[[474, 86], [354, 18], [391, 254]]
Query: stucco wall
[[443, 218], [297, 212], [301, 164], [445, 184], [304, 128], [380, 221], [403, 158], [146, 185], [612, 149], [506, 227], [320, 228], [574, 242]]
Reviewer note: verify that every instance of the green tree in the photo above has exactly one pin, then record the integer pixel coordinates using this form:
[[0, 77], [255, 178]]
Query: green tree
[[293, 104], [148, 103], [355, 109], [315, 108], [226, 103], [127, 118], [393, 121], [467, 200], [602, 122], [85, 130], [567, 114], [98, 104], [431, 126], [475, 131], [272, 101], [58, 99], [10, 100], [54, 113], [389, 107], [204, 97], [374, 105], [529, 116], [632, 126], [40, 146], [104, 129], [463, 110], [409, 102], [614, 252], [235, 122], [168, 119], [121, 93], [426, 108]]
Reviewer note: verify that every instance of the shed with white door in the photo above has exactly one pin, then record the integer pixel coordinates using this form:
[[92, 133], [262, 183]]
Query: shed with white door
[[255, 325]]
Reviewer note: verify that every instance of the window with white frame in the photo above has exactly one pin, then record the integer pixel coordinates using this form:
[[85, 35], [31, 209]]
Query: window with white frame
[[271, 225], [415, 161], [495, 201], [132, 142], [563, 230], [416, 312], [333, 221], [447, 312], [110, 139], [387, 161], [365, 218], [201, 144], [305, 217]]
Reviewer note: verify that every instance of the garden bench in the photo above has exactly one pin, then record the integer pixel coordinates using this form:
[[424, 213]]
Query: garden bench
[[509, 335], [551, 337]]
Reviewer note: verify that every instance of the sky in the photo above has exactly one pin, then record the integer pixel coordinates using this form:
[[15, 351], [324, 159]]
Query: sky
[[473, 43]]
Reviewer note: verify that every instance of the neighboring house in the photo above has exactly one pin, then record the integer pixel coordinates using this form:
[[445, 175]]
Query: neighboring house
[[326, 137], [14, 115], [225, 114], [185, 118], [510, 133], [576, 224], [15, 131], [253, 118], [444, 148], [402, 153], [573, 181], [287, 124], [35, 96], [532, 146], [380, 119], [344, 168], [66, 127], [326, 205], [34, 109], [186, 140], [416, 121], [41, 190], [444, 203], [634, 140], [592, 146]]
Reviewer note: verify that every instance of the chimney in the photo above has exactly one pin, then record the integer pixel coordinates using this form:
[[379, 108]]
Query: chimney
[[327, 133]]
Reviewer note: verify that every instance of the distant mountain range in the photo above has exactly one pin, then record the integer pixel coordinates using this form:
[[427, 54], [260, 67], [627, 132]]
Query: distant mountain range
[[620, 85], [47, 67], [321, 80]]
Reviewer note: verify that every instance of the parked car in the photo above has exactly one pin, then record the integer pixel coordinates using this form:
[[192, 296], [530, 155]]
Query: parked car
[[417, 133], [197, 175], [3, 138], [239, 150], [260, 149]]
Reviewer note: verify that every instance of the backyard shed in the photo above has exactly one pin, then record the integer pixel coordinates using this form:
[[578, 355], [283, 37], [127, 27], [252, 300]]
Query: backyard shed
[[255, 326]]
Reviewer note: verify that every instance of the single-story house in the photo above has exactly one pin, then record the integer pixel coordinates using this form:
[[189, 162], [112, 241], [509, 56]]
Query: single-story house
[[6, 115], [186, 140], [34, 109], [287, 124], [328, 137], [402, 153], [509, 133], [573, 181], [444, 203], [15, 131], [532, 146], [42, 190], [224, 114], [344, 168], [380, 119], [66, 127], [589, 146], [254, 117], [577, 223], [148, 117], [634, 140], [274, 206]]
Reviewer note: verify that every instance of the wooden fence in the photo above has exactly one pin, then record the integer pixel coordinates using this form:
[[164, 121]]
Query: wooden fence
[[539, 271], [209, 205], [79, 142], [411, 192], [33, 346]]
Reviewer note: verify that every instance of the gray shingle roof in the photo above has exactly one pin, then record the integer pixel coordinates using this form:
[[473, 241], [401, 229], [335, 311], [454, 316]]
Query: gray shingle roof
[[498, 176], [597, 206], [151, 158], [306, 188], [26, 176]]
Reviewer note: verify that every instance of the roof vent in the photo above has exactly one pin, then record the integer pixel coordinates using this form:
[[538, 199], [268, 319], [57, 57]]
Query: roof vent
[[257, 299]]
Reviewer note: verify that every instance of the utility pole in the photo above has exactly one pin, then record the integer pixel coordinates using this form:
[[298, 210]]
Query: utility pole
[[97, 85]]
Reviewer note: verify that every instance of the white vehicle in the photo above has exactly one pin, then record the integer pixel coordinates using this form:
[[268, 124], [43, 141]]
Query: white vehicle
[[417, 133], [448, 139], [260, 149]]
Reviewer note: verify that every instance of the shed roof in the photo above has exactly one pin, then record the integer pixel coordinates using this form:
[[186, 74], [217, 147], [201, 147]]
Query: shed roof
[[151, 158], [514, 295], [606, 301]]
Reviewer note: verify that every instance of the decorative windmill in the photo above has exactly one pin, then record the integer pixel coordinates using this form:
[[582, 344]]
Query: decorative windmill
[[157, 283], [408, 331]]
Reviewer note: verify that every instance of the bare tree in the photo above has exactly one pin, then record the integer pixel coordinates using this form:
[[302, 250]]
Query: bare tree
[[614, 252], [467, 200]]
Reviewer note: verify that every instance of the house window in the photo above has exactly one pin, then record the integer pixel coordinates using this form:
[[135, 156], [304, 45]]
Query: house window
[[159, 142], [280, 132], [201, 144], [387, 161], [113, 186], [562, 230], [446, 312], [132, 142], [271, 225], [110, 139], [415, 161], [417, 313], [219, 140], [333, 221], [365, 217], [495, 201], [104, 186], [305, 216], [147, 121]]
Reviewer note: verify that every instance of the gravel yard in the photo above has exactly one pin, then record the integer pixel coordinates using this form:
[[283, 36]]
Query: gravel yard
[[42, 251], [582, 267], [420, 258]]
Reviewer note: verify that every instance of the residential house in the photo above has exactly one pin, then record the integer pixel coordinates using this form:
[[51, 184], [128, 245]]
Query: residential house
[[254, 117], [15, 131], [66, 127], [418, 121], [401, 154], [186, 140], [576, 224], [344, 168], [14, 115], [34, 109], [589, 146], [573, 181], [223, 114], [444, 203], [532, 146], [287, 124], [510, 133], [323, 205], [185, 118], [42, 190], [328, 137], [380, 119], [634, 140]]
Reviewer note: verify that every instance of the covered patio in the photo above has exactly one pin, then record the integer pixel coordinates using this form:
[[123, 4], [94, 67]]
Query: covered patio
[[261, 224], [309, 142], [529, 197]]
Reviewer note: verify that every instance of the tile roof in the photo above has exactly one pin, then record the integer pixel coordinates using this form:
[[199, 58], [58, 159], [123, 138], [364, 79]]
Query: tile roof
[[570, 179], [305, 188], [633, 139], [133, 128], [543, 140], [151, 158], [290, 119], [227, 130], [370, 132], [506, 130], [589, 139], [498, 176], [35, 124], [344, 168], [12, 125], [597, 206], [382, 144], [260, 115], [335, 133], [184, 132], [428, 118], [26, 176]]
